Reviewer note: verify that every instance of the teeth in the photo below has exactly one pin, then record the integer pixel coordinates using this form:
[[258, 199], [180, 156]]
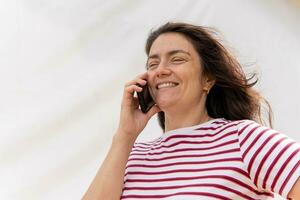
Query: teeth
[[164, 85]]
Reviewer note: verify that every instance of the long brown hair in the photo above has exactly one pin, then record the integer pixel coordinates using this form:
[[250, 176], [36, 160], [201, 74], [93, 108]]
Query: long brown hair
[[232, 97]]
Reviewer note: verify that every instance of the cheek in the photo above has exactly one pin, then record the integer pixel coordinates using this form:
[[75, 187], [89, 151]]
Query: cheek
[[192, 75], [194, 79], [151, 85], [150, 80], [150, 76]]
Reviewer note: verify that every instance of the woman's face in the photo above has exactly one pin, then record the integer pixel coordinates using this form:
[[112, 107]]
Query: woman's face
[[175, 72]]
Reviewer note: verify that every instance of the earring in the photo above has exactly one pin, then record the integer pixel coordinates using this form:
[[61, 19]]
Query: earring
[[206, 90]]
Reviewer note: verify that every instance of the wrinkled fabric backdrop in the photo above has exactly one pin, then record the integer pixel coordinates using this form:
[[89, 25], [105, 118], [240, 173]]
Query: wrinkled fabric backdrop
[[63, 65]]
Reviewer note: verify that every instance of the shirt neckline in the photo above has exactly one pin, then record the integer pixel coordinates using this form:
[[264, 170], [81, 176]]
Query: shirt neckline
[[189, 128]]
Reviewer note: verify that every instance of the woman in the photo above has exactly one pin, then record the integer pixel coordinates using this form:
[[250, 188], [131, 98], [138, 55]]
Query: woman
[[211, 148]]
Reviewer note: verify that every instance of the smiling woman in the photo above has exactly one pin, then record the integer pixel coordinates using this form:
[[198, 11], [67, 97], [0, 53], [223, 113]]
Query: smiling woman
[[176, 61], [213, 146]]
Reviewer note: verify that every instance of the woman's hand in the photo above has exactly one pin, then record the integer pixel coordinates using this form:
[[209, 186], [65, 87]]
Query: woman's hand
[[132, 119]]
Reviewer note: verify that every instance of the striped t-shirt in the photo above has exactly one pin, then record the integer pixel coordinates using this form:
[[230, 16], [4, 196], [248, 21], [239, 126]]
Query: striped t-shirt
[[219, 159]]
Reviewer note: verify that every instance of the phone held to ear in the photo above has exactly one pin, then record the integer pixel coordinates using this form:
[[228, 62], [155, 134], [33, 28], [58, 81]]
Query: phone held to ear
[[145, 99]]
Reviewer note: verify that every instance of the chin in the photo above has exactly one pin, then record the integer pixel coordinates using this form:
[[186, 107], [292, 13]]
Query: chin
[[165, 103]]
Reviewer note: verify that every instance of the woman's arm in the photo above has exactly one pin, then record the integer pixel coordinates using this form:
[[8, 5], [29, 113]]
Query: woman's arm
[[108, 182], [295, 191]]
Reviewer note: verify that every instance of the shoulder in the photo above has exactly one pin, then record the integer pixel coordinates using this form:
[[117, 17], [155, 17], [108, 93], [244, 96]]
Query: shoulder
[[247, 125], [240, 125], [247, 128]]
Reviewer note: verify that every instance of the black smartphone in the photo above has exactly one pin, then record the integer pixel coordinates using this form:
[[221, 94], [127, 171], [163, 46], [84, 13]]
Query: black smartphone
[[145, 99]]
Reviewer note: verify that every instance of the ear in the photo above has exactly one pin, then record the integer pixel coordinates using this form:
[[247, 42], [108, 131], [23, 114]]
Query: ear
[[208, 83]]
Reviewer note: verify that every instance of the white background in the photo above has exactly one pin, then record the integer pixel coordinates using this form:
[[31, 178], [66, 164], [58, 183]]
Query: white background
[[63, 64]]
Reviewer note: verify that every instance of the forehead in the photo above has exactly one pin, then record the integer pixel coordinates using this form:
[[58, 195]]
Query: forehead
[[167, 42]]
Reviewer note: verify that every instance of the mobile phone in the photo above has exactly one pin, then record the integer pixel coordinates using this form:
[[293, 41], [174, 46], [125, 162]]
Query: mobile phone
[[145, 99]]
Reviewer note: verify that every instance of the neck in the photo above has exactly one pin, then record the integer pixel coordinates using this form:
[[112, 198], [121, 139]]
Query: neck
[[186, 117]]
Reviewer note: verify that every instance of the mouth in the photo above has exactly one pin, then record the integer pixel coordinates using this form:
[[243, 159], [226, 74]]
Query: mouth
[[166, 85]]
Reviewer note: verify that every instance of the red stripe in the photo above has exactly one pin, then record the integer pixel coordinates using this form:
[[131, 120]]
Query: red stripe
[[211, 128], [145, 145], [259, 150], [253, 142], [264, 160], [176, 194], [248, 135], [188, 142], [136, 145], [283, 167], [242, 130], [289, 176], [228, 178], [195, 142], [186, 163], [191, 185], [221, 122], [187, 156], [238, 170], [198, 135], [274, 162], [187, 149]]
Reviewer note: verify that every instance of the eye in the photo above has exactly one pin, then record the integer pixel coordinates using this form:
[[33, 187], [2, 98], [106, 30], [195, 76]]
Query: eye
[[152, 65], [178, 60]]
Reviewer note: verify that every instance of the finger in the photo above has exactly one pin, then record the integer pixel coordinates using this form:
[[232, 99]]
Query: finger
[[131, 89], [136, 81], [143, 75], [128, 95], [139, 79]]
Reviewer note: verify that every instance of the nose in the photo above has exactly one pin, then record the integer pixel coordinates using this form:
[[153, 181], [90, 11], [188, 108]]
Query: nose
[[163, 70]]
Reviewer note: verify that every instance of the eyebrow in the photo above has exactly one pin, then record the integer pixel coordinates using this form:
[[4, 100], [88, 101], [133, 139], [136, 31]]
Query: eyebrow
[[169, 54]]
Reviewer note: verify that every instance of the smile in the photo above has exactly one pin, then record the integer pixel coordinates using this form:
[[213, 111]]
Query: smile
[[166, 85]]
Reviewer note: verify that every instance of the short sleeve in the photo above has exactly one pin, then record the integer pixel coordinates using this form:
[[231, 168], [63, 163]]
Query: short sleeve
[[271, 158]]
